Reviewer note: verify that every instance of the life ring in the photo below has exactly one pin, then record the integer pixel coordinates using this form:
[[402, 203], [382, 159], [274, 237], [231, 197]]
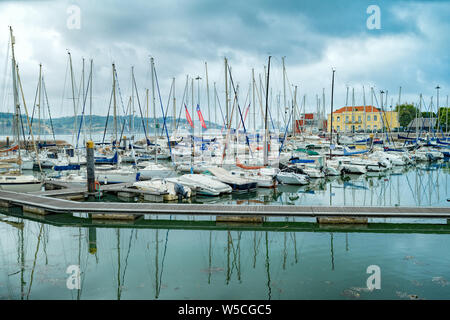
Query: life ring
[[97, 185]]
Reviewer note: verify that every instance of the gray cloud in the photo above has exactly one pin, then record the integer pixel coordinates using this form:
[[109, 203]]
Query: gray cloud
[[411, 49]]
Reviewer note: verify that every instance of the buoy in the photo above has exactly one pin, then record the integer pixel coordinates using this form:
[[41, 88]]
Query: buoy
[[97, 185]]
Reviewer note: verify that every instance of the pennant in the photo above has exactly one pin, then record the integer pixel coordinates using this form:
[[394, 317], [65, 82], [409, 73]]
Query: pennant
[[200, 116], [188, 117]]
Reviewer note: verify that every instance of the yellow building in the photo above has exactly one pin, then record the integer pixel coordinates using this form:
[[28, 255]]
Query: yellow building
[[354, 119]]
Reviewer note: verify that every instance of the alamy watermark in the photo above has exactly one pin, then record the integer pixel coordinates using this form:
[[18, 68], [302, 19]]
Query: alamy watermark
[[374, 20], [74, 18], [74, 279], [374, 280]]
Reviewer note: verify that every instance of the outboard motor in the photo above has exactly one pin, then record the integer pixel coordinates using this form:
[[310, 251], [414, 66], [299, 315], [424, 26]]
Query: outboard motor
[[180, 191]]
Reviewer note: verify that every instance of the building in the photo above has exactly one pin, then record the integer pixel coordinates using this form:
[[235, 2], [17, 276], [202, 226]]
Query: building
[[358, 119], [309, 122]]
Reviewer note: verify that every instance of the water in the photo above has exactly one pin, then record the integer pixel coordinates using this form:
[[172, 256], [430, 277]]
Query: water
[[197, 259], [426, 185]]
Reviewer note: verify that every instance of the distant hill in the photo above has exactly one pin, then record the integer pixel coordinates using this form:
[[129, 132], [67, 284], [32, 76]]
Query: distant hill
[[66, 125]]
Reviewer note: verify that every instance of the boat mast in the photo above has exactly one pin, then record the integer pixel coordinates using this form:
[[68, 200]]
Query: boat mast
[[331, 113], [266, 131], [90, 102], [154, 107], [146, 115], [293, 111], [174, 109], [207, 91], [254, 100], [215, 104], [226, 91], [73, 96], [115, 104], [39, 101], [284, 86], [364, 102], [16, 97]]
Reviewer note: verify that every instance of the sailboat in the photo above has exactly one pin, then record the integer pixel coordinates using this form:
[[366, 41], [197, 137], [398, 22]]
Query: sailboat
[[15, 180]]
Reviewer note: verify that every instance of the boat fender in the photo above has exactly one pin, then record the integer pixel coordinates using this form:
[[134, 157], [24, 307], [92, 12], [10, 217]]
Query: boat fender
[[96, 185], [138, 176]]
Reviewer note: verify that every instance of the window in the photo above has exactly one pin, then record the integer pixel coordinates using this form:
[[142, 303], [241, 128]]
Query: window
[[353, 118], [359, 118], [368, 127], [359, 127], [374, 118], [338, 119], [375, 127], [338, 128], [368, 118], [346, 118]]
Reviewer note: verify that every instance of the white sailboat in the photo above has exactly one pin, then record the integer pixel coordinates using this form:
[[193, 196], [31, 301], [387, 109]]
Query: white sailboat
[[292, 178], [16, 181], [204, 184]]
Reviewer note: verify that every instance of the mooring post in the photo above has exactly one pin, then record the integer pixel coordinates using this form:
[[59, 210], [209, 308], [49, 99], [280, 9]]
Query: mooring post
[[90, 166]]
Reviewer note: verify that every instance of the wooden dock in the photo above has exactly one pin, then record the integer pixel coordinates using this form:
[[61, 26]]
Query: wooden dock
[[43, 204]]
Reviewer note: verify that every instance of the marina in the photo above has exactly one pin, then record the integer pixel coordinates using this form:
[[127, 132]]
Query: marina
[[217, 151]]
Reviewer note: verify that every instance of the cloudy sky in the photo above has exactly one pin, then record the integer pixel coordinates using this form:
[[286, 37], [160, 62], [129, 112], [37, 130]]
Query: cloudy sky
[[411, 49]]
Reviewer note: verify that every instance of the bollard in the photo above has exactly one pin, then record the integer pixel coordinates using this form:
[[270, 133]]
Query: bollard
[[90, 166]]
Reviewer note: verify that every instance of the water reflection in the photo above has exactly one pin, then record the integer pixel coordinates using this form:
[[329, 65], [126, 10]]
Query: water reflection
[[424, 185], [206, 264], [187, 258]]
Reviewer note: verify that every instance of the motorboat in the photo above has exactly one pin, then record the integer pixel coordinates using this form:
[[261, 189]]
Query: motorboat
[[292, 178]]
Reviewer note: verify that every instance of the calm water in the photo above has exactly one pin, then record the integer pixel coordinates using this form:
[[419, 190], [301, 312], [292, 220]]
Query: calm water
[[202, 260], [193, 258], [424, 185]]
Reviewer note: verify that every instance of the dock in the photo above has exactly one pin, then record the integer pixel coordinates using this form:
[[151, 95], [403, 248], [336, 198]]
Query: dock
[[45, 204]]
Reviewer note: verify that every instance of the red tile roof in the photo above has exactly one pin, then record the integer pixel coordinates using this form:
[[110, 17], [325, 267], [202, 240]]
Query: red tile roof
[[357, 108]]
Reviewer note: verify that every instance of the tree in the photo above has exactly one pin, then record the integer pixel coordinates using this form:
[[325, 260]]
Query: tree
[[444, 118], [407, 113]]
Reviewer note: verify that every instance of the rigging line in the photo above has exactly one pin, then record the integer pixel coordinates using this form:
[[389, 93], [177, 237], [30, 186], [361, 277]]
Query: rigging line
[[107, 117], [124, 122], [285, 132], [64, 87], [6, 71], [82, 113], [121, 100], [240, 113], [181, 108], [245, 103], [167, 107], [48, 106], [220, 107], [34, 106], [160, 101], [118, 89], [140, 110]]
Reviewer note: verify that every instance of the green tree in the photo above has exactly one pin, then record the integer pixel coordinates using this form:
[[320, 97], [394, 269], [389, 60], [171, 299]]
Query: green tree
[[407, 113], [444, 118]]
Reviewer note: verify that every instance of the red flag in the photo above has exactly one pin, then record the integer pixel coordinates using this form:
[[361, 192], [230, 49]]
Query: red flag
[[200, 116], [188, 117], [245, 116]]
